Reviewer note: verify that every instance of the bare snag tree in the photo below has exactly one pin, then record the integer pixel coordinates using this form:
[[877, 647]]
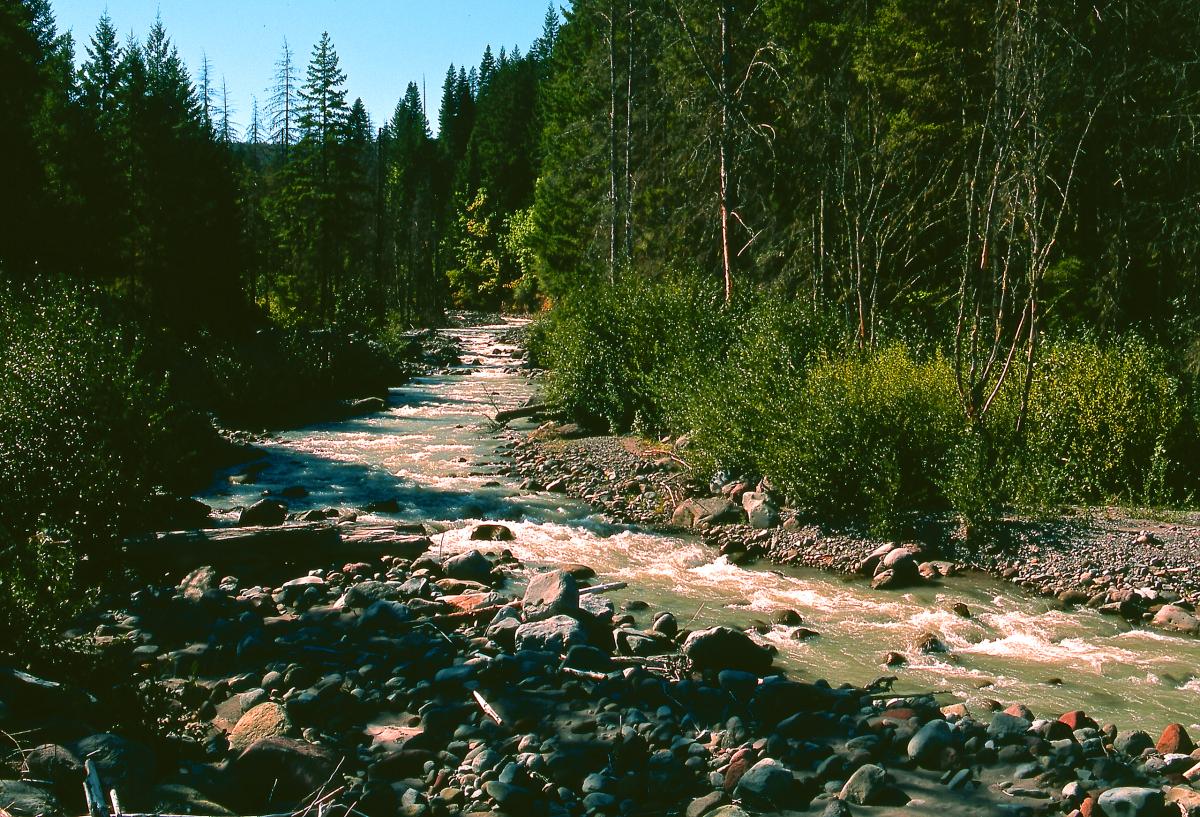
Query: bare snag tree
[[1016, 191]]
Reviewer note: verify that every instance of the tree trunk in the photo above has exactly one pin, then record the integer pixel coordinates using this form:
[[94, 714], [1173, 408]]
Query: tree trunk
[[723, 150]]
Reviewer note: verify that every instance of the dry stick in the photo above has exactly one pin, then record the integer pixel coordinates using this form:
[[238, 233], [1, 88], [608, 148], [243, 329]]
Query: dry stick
[[487, 708], [116, 802], [318, 797], [583, 673]]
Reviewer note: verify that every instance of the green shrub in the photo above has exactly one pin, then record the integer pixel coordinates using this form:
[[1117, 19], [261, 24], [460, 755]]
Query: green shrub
[[85, 438], [1104, 421], [620, 353], [766, 387], [868, 435]]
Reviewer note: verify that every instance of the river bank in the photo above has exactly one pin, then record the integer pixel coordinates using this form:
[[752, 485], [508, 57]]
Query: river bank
[[417, 684], [1144, 571], [338, 669]]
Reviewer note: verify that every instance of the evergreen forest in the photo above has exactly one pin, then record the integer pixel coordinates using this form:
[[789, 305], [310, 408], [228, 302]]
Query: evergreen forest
[[895, 256]]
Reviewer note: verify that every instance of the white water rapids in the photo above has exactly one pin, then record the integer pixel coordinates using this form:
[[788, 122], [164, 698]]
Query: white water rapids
[[432, 452]]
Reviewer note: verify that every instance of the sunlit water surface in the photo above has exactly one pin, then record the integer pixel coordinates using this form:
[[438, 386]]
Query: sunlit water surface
[[432, 452]]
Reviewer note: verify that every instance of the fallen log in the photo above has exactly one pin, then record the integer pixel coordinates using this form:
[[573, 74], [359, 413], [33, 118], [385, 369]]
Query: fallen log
[[314, 541], [508, 415]]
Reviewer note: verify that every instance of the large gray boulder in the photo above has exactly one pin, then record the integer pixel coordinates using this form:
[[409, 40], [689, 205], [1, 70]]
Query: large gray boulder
[[471, 566], [932, 739], [866, 786], [698, 513], [555, 634], [766, 785], [761, 512], [552, 593], [1131, 801], [721, 648], [1006, 727]]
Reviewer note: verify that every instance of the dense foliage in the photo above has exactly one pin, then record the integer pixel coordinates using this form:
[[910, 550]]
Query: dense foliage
[[768, 389]]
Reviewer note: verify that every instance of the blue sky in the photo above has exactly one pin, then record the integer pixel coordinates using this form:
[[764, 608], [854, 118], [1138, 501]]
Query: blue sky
[[382, 44]]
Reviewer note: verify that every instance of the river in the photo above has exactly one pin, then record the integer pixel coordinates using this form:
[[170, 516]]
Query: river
[[432, 451]]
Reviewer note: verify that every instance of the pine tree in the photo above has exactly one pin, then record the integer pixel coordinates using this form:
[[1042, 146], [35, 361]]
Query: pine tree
[[487, 69], [323, 111], [100, 75], [283, 108]]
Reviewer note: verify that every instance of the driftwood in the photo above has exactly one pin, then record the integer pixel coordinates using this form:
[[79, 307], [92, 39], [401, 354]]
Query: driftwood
[[507, 415], [602, 588], [586, 675], [272, 545], [487, 708], [93, 791]]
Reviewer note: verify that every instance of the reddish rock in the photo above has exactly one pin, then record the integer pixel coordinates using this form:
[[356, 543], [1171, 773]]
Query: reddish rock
[[1078, 719], [1020, 711], [1088, 807], [739, 764], [900, 713], [1175, 740]]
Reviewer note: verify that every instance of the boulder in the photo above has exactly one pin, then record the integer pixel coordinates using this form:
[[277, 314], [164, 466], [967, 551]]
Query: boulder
[[384, 615], [766, 785], [761, 512], [696, 513], [22, 799], [471, 566], [555, 634], [866, 786], [1133, 742], [364, 594], [552, 593], [1131, 801], [1005, 727], [266, 720], [1174, 740], [927, 746], [123, 764], [725, 648], [492, 533], [1078, 719], [902, 567], [285, 769], [1172, 617], [198, 582], [1185, 799], [263, 512]]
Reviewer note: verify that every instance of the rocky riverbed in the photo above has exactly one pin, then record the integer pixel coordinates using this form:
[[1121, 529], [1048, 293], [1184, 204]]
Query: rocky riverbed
[[415, 684], [1143, 571], [393, 640]]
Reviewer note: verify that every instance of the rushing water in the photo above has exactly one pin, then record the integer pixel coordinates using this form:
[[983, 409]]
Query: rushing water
[[432, 452]]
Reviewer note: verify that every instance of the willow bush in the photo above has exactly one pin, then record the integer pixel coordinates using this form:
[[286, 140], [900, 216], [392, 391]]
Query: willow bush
[[769, 388]]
